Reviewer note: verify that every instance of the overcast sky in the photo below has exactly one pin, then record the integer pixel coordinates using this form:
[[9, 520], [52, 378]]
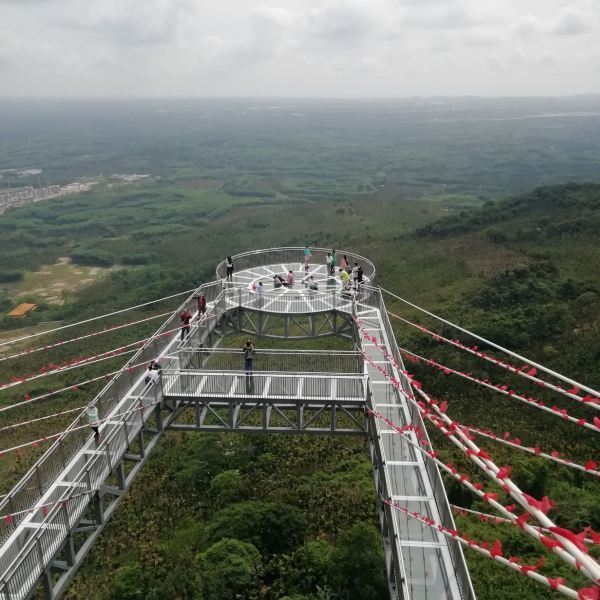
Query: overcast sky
[[341, 48]]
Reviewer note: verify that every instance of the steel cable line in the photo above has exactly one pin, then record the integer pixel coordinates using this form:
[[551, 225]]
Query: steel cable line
[[116, 312], [569, 551], [562, 413], [497, 346], [517, 371], [83, 337]]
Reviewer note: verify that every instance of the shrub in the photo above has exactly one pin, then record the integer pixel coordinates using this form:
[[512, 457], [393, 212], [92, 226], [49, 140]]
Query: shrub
[[139, 259], [229, 569], [94, 258], [273, 527], [10, 276]]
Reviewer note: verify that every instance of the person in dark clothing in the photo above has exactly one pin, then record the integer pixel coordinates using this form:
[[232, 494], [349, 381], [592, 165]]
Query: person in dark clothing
[[185, 317], [278, 281], [229, 265], [249, 352]]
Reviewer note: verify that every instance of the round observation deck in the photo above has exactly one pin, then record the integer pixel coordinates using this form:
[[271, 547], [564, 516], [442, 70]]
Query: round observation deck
[[250, 268]]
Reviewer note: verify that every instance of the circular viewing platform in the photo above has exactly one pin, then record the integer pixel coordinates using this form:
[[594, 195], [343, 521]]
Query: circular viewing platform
[[264, 266]]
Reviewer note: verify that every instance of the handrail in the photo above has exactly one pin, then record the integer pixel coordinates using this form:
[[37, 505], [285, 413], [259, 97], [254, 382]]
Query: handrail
[[213, 289], [286, 374], [295, 255], [86, 468]]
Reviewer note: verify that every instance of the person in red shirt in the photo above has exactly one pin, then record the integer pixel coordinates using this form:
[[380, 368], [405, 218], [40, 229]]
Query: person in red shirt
[[185, 317], [201, 304]]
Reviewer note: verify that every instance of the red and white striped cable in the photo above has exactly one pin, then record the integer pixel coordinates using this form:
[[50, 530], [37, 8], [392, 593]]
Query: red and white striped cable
[[83, 337], [526, 371], [494, 553], [504, 390], [567, 549]]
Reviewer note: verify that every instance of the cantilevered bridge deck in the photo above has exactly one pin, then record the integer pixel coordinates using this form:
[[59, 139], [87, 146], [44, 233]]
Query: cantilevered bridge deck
[[203, 387]]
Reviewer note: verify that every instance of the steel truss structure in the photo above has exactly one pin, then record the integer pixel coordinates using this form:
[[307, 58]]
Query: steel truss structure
[[69, 495]]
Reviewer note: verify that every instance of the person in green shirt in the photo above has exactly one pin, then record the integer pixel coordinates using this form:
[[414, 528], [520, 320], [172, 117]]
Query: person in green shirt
[[334, 261]]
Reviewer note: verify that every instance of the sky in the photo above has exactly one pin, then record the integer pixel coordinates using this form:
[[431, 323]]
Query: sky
[[297, 48]]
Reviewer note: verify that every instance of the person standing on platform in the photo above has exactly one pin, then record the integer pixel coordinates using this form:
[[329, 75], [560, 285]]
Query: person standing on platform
[[355, 276], [328, 263], [249, 353], [260, 290], [201, 305], [344, 263], [290, 278], [334, 262], [92, 416], [307, 256], [185, 316], [345, 279], [229, 265]]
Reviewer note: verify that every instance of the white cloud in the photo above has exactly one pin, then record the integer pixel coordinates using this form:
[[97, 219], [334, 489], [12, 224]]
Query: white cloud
[[297, 47], [571, 22], [127, 23]]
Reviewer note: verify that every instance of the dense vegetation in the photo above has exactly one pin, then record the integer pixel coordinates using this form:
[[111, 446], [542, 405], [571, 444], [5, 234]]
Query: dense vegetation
[[268, 517]]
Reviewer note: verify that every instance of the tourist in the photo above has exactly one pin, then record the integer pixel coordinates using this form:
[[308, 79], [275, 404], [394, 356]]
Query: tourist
[[355, 276], [201, 304], [185, 316], [92, 416], [307, 257], [359, 278], [151, 374], [290, 278], [345, 278], [278, 281], [328, 263], [260, 290], [344, 263], [249, 352], [312, 284], [229, 265]]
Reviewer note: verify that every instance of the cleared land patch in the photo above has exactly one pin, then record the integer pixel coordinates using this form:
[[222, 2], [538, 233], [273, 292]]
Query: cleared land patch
[[52, 283]]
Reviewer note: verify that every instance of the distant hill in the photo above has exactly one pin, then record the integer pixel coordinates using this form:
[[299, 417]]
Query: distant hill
[[564, 210]]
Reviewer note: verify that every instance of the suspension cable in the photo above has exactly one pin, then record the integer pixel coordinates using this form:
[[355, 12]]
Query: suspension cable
[[528, 374], [497, 346], [560, 412], [84, 337], [116, 312]]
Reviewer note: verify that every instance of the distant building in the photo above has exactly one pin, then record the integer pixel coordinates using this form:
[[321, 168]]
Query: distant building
[[22, 310]]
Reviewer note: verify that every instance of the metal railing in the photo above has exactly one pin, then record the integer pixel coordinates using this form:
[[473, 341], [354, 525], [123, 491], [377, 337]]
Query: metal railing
[[307, 361], [299, 302], [373, 297], [23, 561], [27, 492], [294, 255], [182, 384]]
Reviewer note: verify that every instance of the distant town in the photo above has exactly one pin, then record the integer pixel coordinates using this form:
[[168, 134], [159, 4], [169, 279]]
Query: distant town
[[23, 195], [20, 196]]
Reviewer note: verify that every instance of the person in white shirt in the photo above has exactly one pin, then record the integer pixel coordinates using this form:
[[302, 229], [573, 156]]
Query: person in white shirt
[[151, 375], [92, 416]]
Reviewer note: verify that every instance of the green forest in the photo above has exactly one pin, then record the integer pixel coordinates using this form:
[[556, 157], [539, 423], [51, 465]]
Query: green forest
[[260, 517]]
